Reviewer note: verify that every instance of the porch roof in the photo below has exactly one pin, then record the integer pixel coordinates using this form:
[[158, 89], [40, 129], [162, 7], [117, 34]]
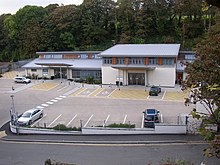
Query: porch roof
[[125, 67]]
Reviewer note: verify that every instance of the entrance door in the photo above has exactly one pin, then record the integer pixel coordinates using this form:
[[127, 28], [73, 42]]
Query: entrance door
[[63, 73], [136, 79]]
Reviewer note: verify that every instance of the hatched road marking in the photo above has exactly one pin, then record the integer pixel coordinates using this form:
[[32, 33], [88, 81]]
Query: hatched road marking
[[45, 86]]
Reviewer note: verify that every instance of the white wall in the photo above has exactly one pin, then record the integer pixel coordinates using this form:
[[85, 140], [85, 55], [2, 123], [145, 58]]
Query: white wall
[[162, 76], [109, 75]]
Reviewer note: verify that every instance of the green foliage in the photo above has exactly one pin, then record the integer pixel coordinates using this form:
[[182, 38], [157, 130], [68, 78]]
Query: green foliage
[[94, 24], [203, 81], [170, 161], [62, 127], [115, 125]]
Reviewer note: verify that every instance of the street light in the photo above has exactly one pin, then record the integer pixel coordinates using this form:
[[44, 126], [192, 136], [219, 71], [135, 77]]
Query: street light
[[13, 105]]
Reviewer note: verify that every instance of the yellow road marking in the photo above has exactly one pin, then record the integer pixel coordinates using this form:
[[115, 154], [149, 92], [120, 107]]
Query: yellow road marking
[[130, 94], [45, 86], [78, 92]]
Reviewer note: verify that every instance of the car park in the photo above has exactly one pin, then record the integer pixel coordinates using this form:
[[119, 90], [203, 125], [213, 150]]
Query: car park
[[22, 80], [28, 117], [151, 116], [154, 91]]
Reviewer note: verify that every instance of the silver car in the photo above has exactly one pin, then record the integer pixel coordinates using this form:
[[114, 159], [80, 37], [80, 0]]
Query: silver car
[[28, 117], [22, 80]]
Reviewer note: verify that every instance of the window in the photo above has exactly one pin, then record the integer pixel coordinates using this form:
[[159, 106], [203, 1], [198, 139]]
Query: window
[[53, 56], [152, 61], [107, 60], [137, 61], [58, 56], [45, 71], [76, 73], [83, 74], [33, 70], [47, 56], [120, 60], [190, 56], [84, 56], [168, 61]]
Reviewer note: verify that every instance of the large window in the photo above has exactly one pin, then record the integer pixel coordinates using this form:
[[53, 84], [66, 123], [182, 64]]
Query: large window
[[190, 56], [120, 60], [83, 74], [84, 56], [152, 61], [168, 61], [137, 61], [107, 60], [59, 56]]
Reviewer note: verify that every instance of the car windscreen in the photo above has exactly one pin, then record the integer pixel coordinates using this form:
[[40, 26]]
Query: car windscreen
[[151, 111], [27, 114]]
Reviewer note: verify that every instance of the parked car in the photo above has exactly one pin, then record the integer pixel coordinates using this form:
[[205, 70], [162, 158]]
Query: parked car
[[154, 91], [151, 116], [22, 80], [28, 117]]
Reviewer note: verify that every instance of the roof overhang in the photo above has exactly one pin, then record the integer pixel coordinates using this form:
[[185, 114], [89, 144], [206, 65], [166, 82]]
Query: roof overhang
[[52, 64], [126, 67]]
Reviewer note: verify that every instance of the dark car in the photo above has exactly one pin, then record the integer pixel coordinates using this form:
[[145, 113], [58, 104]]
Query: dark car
[[154, 91], [151, 116]]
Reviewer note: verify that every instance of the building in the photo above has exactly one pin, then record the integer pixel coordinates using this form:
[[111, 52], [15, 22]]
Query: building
[[140, 64], [73, 65], [123, 64]]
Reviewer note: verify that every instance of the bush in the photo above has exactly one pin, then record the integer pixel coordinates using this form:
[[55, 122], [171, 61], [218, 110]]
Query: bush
[[62, 127], [115, 125]]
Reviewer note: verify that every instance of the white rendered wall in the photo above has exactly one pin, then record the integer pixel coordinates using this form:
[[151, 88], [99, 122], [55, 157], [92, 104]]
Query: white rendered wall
[[162, 76], [109, 75]]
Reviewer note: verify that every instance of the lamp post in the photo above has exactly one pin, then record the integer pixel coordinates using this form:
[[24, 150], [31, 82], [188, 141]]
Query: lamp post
[[13, 105]]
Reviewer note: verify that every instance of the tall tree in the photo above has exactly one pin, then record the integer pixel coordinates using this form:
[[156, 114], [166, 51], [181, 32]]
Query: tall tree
[[204, 81]]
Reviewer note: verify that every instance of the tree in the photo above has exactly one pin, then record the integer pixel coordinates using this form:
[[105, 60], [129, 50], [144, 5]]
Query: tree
[[204, 82]]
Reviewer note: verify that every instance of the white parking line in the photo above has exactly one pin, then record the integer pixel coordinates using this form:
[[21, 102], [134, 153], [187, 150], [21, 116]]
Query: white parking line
[[161, 118], [88, 121], [49, 102], [38, 120], [105, 121], [163, 95], [54, 100], [45, 105], [142, 124], [71, 120], [54, 120], [125, 118], [62, 96]]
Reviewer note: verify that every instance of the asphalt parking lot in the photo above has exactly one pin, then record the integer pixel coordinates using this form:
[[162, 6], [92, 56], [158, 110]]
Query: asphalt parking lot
[[77, 105]]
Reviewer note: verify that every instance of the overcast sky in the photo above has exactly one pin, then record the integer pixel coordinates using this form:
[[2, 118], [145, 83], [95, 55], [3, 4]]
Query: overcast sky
[[12, 6]]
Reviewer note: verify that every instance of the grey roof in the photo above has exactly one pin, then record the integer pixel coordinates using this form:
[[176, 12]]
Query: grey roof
[[142, 50], [73, 63]]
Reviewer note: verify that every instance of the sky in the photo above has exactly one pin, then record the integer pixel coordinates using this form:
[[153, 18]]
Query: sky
[[12, 6]]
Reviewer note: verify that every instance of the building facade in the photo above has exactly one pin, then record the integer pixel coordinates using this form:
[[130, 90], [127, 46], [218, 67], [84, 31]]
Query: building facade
[[122, 64], [140, 64], [67, 65]]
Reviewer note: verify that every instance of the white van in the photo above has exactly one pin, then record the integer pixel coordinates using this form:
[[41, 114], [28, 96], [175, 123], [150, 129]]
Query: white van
[[22, 80]]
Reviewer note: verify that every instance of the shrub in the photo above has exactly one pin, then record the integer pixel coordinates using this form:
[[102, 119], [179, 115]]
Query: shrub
[[62, 127], [115, 125]]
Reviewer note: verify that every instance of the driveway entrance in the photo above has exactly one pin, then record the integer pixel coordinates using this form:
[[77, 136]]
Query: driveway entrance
[[136, 79]]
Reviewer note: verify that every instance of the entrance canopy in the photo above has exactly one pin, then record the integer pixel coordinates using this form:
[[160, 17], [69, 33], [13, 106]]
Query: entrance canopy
[[126, 67]]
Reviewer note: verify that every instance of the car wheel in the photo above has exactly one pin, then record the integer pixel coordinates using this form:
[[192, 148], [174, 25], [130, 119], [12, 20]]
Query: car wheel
[[41, 115], [30, 122]]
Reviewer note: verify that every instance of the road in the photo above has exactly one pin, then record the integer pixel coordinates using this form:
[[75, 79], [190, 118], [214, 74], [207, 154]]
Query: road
[[21, 153]]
